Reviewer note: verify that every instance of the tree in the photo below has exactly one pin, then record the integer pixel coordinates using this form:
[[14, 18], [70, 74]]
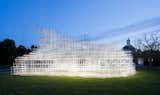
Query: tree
[[33, 47], [148, 47], [150, 41], [7, 52], [21, 50]]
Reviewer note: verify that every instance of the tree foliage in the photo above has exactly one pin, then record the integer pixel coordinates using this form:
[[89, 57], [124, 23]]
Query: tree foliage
[[9, 51], [148, 48]]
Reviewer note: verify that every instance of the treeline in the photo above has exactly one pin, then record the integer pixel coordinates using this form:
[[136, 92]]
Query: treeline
[[9, 51], [148, 48], [150, 57]]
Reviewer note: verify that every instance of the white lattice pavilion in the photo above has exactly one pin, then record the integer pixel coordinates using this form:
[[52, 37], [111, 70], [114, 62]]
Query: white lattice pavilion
[[58, 55]]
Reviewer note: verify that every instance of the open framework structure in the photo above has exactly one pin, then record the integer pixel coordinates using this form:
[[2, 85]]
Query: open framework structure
[[59, 55]]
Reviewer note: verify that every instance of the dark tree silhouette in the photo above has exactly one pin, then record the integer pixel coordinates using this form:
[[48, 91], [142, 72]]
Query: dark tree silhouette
[[33, 47], [21, 50], [148, 48], [7, 52]]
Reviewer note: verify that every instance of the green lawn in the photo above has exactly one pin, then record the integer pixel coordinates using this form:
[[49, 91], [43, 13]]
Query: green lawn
[[145, 82]]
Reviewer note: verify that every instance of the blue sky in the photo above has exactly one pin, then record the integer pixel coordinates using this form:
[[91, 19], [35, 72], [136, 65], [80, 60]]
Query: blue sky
[[21, 20]]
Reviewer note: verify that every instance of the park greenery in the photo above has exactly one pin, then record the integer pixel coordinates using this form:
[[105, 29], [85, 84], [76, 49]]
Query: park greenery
[[9, 51], [148, 48], [144, 82]]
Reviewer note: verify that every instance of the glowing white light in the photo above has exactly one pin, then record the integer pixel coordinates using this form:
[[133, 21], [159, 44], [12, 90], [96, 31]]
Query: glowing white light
[[60, 56]]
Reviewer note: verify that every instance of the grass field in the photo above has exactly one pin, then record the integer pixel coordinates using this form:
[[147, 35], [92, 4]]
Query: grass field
[[145, 82]]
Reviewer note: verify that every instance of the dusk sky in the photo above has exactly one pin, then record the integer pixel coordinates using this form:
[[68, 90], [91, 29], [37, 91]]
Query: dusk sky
[[21, 20]]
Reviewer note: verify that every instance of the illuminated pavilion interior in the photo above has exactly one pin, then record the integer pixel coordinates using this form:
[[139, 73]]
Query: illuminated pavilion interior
[[58, 55]]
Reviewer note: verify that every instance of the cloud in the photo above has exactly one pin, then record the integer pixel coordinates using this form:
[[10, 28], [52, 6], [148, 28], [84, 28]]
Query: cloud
[[125, 32]]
